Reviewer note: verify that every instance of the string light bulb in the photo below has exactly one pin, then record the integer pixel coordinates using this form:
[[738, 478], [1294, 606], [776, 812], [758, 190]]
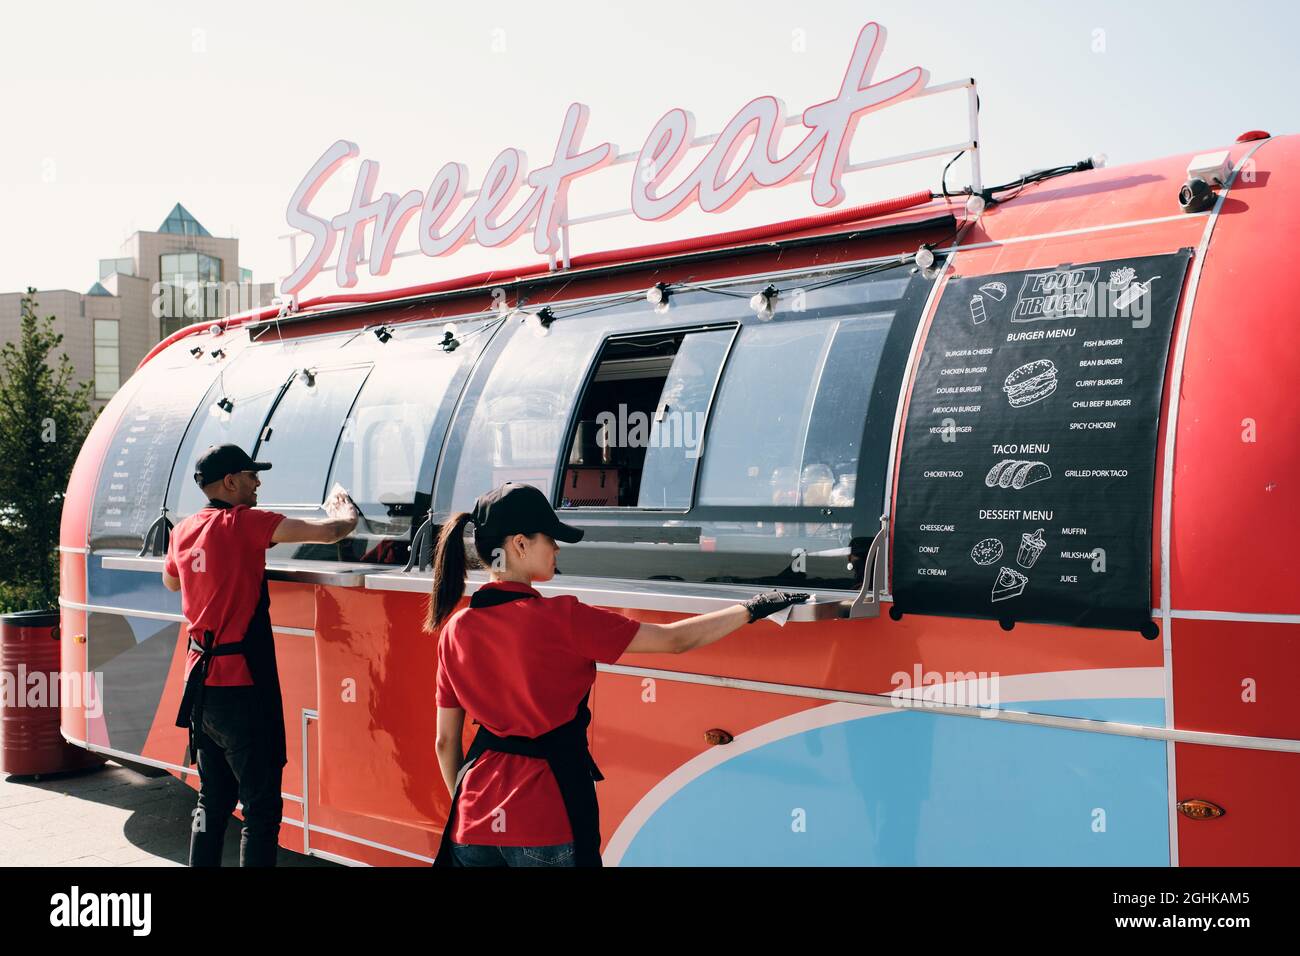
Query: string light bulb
[[764, 303], [383, 333], [449, 341], [540, 321], [658, 296]]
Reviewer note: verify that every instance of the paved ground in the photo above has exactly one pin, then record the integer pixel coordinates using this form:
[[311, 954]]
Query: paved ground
[[110, 816]]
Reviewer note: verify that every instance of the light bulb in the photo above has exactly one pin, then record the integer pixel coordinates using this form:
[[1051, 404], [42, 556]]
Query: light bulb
[[924, 257], [537, 326], [975, 205], [1099, 160], [656, 293]]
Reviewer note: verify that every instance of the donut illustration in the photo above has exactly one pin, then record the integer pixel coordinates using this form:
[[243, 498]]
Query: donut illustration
[[988, 551]]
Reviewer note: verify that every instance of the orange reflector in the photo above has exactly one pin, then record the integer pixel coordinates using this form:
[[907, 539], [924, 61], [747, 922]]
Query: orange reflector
[[1199, 809]]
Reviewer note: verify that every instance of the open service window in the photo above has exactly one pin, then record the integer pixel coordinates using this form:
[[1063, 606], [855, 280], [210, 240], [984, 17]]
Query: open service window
[[636, 440], [789, 475]]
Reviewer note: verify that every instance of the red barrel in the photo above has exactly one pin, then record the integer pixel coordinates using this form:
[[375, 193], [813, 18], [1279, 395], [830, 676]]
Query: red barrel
[[30, 742]]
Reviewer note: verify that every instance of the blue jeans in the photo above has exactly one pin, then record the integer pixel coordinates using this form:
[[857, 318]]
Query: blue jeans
[[477, 854]]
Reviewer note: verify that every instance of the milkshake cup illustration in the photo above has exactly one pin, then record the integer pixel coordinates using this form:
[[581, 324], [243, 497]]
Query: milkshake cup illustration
[[977, 309], [1031, 546]]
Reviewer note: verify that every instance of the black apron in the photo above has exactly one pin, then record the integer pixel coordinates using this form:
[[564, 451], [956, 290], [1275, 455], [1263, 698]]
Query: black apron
[[564, 749], [258, 648]]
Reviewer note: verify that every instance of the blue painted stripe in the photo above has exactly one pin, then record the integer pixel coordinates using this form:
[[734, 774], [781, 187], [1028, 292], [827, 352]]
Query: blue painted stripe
[[916, 788]]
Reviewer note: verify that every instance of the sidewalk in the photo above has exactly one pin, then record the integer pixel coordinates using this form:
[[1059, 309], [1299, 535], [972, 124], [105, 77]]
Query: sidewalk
[[110, 816]]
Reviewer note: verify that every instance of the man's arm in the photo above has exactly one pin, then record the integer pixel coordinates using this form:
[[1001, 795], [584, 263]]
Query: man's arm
[[342, 519], [313, 530]]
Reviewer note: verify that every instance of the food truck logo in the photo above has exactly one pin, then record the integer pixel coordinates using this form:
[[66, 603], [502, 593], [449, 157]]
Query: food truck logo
[[1062, 294], [744, 156]]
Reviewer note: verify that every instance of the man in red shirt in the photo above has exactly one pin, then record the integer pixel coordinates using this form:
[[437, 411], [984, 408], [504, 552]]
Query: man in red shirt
[[216, 558]]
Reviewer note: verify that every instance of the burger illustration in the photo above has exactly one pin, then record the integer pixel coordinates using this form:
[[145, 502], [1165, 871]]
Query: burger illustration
[[1030, 383]]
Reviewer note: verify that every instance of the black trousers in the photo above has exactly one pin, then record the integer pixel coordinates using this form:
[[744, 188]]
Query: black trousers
[[235, 762]]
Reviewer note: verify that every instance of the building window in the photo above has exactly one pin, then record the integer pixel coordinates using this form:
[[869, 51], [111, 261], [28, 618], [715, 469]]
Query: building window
[[191, 289], [107, 369], [124, 267]]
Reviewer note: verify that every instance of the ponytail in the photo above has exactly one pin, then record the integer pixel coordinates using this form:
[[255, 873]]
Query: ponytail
[[449, 567], [450, 564]]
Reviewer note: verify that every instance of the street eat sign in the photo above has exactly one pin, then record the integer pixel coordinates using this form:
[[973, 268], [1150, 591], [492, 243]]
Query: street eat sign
[[715, 184]]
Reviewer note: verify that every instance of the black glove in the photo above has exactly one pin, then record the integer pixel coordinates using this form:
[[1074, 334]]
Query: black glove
[[769, 602]]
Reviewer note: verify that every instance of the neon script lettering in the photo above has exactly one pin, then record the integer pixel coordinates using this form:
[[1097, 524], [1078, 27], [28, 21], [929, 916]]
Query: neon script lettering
[[745, 155]]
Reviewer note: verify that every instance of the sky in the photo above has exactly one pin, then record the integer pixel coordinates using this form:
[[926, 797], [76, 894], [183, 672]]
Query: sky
[[117, 111]]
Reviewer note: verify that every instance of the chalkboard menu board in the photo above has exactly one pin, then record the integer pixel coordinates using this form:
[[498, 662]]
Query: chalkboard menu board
[[138, 461], [1026, 486]]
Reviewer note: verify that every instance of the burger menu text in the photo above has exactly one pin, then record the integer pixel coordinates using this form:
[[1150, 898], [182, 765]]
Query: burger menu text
[[1026, 487]]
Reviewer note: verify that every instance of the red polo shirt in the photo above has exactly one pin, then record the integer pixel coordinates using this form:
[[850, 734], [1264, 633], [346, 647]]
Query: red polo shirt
[[219, 554], [521, 669]]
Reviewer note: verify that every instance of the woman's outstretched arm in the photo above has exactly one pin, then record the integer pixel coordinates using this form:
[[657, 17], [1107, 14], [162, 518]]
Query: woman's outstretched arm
[[703, 629]]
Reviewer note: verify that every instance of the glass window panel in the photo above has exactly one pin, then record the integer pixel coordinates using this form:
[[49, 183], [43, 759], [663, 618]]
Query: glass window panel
[[106, 332], [757, 434], [251, 381], [189, 263], [668, 475], [387, 435], [302, 434], [518, 421], [793, 438]]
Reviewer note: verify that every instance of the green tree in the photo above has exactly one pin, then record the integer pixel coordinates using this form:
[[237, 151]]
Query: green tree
[[44, 417]]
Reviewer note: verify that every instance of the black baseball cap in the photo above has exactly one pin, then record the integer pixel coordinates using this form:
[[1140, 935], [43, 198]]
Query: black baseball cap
[[517, 508], [221, 460]]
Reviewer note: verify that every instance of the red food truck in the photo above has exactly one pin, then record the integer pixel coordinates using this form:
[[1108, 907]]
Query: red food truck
[[1012, 439]]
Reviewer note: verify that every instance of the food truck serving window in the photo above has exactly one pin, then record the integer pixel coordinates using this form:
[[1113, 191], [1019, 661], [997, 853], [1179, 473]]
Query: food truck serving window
[[639, 431], [773, 471]]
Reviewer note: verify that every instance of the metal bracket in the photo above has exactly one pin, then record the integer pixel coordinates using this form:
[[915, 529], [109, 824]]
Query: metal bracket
[[421, 546], [875, 575], [157, 538]]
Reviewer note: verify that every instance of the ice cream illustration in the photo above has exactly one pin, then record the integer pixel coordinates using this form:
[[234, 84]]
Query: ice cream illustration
[[1031, 546]]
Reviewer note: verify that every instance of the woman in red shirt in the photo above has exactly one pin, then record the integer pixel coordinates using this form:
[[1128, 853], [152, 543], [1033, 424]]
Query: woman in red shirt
[[522, 666]]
